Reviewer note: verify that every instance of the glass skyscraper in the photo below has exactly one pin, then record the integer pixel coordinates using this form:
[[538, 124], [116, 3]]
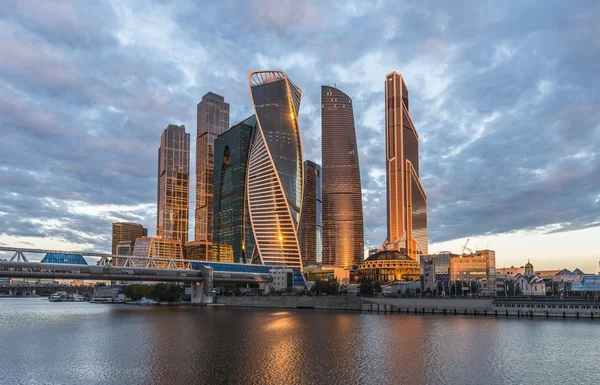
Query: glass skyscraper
[[343, 233], [233, 240], [173, 184], [406, 199], [275, 169], [310, 232], [212, 121]]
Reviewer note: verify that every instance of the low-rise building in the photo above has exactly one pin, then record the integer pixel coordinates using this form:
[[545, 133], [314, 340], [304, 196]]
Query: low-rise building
[[313, 273], [157, 247], [388, 266], [478, 267], [283, 279]]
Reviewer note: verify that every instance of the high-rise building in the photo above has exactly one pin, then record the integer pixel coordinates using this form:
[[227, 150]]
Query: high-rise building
[[275, 169], [213, 120], [343, 233], [126, 231], [311, 229], [173, 184], [406, 198], [233, 240]]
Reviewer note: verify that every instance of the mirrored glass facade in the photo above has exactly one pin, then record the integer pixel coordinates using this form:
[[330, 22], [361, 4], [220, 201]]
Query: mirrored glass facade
[[275, 169], [71, 259], [310, 232], [173, 184], [232, 232], [406, 198], [212, 121], [343, 233]]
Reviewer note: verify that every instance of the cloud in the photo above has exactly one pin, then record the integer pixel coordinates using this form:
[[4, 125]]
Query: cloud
[[504, 100]]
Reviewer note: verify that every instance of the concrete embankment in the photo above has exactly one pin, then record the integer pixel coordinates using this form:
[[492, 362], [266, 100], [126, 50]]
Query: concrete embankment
[[428, 304], [322, 302]]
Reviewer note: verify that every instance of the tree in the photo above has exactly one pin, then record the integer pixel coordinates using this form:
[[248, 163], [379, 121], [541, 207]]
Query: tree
[[518, 290], [330, 286], [377, 287], [366, 288]]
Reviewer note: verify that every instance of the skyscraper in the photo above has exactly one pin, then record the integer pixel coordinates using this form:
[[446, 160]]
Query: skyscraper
[[173, 184], [275, 169], [233, 240], [406, 199], [126, 231], [343, 233], [310, 232], [212, 121]]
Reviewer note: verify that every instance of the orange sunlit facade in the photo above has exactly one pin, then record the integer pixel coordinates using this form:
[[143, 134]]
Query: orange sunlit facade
[[406, 199], [343, 233], [173, 184], [212, 121]]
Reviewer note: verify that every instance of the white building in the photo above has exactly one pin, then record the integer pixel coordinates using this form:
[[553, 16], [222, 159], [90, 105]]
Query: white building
[[283, 278], [530, 284]]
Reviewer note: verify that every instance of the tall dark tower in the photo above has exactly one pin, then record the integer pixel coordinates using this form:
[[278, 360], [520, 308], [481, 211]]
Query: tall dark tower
[[311, 228], [406, 198], [212, 121], [343, 234], [233, 240]]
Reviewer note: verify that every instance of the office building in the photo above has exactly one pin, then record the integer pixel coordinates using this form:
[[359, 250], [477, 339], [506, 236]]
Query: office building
[[343, 233], [406, 199], [173, 184], [157, 247], [233, 240], [435, 270], [212, 121], [478, 267], [275, 169], [126, 231], [310, 232]]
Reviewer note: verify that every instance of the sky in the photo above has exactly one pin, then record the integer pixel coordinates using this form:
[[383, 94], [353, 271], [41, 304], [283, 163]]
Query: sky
[[505, 97]]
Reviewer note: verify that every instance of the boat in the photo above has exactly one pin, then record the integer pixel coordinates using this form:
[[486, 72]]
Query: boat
[[146, 301], [59, 296], [76, 298]]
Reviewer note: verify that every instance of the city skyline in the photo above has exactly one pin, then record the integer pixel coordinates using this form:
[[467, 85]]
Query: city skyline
[[498, 164]]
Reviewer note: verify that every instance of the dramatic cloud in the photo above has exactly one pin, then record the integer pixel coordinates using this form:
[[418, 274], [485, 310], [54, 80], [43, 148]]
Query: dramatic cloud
[[505, 98]]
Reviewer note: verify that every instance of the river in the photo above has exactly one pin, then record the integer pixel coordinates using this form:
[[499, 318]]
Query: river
[[81, 343]]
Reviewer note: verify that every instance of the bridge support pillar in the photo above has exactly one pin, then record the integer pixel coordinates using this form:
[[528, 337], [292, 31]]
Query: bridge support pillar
[[202, 291], [199, 294]]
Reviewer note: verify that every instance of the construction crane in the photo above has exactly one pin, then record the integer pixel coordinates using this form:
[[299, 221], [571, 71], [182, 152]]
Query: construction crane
[[465, 248]]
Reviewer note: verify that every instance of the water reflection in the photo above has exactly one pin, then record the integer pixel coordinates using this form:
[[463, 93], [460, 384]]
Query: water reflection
[[119, 344]]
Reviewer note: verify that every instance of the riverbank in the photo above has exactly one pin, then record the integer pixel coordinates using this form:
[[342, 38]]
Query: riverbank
[[519, 308], [294, 302]]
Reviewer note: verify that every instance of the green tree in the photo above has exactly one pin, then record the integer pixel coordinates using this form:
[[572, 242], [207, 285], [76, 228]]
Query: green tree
[[330, 286], [366, 288], [518, 290]]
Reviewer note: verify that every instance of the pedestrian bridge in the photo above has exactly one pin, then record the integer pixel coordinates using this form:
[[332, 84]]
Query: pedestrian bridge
[[133, 268]]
